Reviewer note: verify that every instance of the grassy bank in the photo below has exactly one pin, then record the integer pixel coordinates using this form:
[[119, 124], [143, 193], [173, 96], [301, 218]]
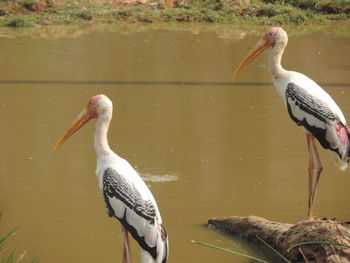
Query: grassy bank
[[27, 13]]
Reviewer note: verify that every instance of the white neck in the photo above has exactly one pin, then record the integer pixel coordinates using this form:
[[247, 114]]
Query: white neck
[[100, 140], [275, 58]]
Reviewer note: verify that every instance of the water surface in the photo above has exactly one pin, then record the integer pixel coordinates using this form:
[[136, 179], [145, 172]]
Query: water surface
[[205, 148]]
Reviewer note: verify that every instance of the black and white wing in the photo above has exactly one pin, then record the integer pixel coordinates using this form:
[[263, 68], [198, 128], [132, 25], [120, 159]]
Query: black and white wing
[[317, 118], [137, 214]]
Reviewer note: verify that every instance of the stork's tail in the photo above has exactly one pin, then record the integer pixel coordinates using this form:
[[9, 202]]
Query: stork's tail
[[343, 133], [163, 244], [162, 249]]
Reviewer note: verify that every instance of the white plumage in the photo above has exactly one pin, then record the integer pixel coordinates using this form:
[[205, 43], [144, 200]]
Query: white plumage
[[308, 105], [126, 195]]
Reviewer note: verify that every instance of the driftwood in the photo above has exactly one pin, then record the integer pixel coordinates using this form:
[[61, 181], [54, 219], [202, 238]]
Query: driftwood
[[282, 236]]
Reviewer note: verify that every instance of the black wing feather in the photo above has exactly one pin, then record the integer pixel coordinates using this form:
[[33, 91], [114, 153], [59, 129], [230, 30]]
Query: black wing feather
[[308, 103], [297, 97], [115, 186]]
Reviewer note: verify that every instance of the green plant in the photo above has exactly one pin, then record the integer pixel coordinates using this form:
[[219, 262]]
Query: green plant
[[230, 251], [27, 13], [274, 250], [19, 21], [317, 243], [9, 257], [85, 15]]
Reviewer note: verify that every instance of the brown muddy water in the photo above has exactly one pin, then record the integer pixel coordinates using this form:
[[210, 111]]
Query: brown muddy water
[[206, 149]]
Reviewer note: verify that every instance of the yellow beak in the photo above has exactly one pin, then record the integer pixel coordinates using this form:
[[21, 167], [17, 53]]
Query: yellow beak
[[260, 47], [81, 119]]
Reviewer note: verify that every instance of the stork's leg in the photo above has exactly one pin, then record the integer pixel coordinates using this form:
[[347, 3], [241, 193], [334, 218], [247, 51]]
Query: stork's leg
[[126, 246], [319, 170], [311, 172]]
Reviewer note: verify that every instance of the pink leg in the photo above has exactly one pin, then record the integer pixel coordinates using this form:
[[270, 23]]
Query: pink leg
[[319, 170], [126, 246], [309, 138]]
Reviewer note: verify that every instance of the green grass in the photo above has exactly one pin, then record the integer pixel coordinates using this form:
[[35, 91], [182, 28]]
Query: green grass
[[230, 251], [19, 21], [6, 255], [26, 13]]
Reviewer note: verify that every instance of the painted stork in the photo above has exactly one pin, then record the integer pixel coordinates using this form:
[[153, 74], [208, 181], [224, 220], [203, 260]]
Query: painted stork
[[308, 105], [126, 195]]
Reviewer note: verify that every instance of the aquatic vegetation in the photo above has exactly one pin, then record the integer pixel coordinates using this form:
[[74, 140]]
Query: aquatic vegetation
[[318, 243], [230, 251], [6, 256], [277, 253]]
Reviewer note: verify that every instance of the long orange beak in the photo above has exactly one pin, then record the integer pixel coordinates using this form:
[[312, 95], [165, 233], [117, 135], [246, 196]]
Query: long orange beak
[[260, 47], [79, 122]]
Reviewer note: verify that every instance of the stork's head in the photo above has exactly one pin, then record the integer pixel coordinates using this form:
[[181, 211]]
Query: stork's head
[[275, 36], [99, 106], [102, 106]]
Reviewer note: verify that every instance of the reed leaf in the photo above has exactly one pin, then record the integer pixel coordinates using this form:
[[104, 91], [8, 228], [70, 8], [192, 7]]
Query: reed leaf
[[9, 258], [274, 250], [229, 251], [317, 243], [3, 239]]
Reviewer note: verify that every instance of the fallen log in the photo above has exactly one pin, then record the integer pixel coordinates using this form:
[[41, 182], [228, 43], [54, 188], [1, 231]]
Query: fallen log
[[282, 236]]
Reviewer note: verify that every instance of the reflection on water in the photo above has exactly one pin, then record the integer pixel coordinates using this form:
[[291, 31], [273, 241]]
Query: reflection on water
[[205, 150], [229, 32]]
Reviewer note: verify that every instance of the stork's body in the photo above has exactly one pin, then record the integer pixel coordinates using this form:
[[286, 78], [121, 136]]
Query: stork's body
[[308, 106], [126, 195]]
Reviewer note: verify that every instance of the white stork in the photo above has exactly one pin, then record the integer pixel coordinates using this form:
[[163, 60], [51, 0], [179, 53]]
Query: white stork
[[126, 195], [308, 105]]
